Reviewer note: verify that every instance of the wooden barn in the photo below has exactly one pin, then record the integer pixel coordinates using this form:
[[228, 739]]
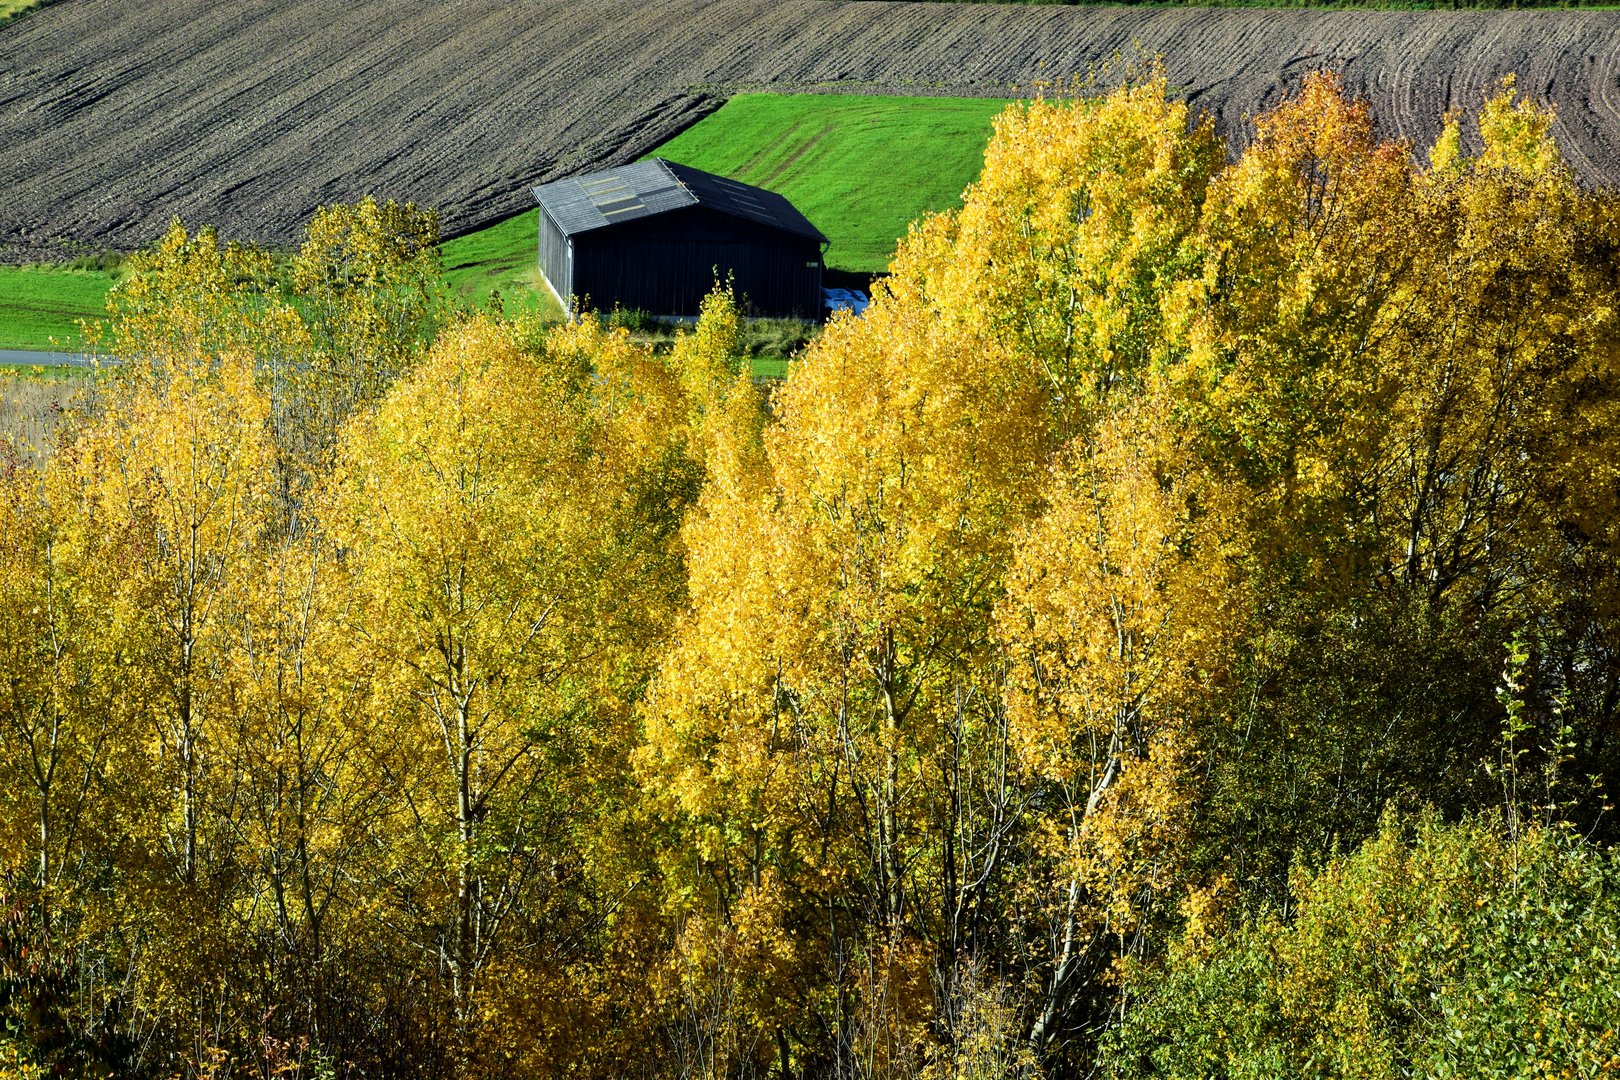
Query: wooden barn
[[655, 236]]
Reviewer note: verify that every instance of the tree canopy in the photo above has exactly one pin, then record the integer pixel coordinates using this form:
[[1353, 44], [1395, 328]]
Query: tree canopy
[[1172, 633]]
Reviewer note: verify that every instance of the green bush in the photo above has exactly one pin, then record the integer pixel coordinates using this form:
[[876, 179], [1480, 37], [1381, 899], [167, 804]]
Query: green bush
[[634, 320], [1434, 950]]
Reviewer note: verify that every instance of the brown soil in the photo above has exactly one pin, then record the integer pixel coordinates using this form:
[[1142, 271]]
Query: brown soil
[[116, 115]]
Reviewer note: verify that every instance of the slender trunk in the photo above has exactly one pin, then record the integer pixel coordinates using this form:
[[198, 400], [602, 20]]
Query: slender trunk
[[465, 880], [44, 839], [888, 816], [306, 884], [1058, 991], [1071, 953], [188, 785], [951, 771]]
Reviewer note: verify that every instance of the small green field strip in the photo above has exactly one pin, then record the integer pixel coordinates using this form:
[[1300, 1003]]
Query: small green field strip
[[40, 306], [861, 168], [501, 259]]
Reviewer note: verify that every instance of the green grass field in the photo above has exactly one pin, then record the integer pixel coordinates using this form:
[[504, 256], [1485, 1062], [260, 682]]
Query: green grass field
[[40, 305], [860, 168], [503, 259]]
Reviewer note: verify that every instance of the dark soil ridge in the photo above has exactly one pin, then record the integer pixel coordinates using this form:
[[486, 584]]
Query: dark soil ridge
[[116, 115]]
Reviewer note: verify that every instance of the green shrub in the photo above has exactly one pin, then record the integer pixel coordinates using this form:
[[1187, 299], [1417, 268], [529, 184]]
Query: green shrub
[[104, 262], [1434, 950], [632, 319]]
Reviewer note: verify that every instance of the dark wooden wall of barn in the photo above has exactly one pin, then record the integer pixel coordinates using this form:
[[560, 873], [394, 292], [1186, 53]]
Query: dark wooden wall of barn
[[555, 261], [667, 263]]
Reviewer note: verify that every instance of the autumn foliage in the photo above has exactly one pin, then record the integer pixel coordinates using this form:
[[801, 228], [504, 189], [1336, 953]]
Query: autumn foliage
[[1192, 584]]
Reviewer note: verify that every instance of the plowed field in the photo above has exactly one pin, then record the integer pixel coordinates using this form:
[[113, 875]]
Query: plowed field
[[117, 114]]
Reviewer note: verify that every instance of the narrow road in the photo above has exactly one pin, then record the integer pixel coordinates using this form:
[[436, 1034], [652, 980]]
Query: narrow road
[[29, 358]]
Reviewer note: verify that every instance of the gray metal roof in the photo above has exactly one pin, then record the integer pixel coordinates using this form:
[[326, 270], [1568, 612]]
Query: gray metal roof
[[582, 203]]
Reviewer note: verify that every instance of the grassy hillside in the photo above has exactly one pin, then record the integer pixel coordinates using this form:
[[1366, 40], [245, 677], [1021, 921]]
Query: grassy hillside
[[40, 306], [860, 168], [500, 259]]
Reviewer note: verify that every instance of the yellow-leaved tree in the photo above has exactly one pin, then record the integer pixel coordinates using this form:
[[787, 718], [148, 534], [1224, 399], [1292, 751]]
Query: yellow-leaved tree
[[507, 519], [1124, 608], [1100, 545], [157, 516], [833, 713]]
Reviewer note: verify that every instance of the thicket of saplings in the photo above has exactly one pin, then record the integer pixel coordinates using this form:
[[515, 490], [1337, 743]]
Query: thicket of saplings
[[1173, 633], [760, 338]]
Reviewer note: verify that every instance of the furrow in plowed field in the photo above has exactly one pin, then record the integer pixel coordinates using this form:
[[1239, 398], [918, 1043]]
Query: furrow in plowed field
[[116, 115]]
